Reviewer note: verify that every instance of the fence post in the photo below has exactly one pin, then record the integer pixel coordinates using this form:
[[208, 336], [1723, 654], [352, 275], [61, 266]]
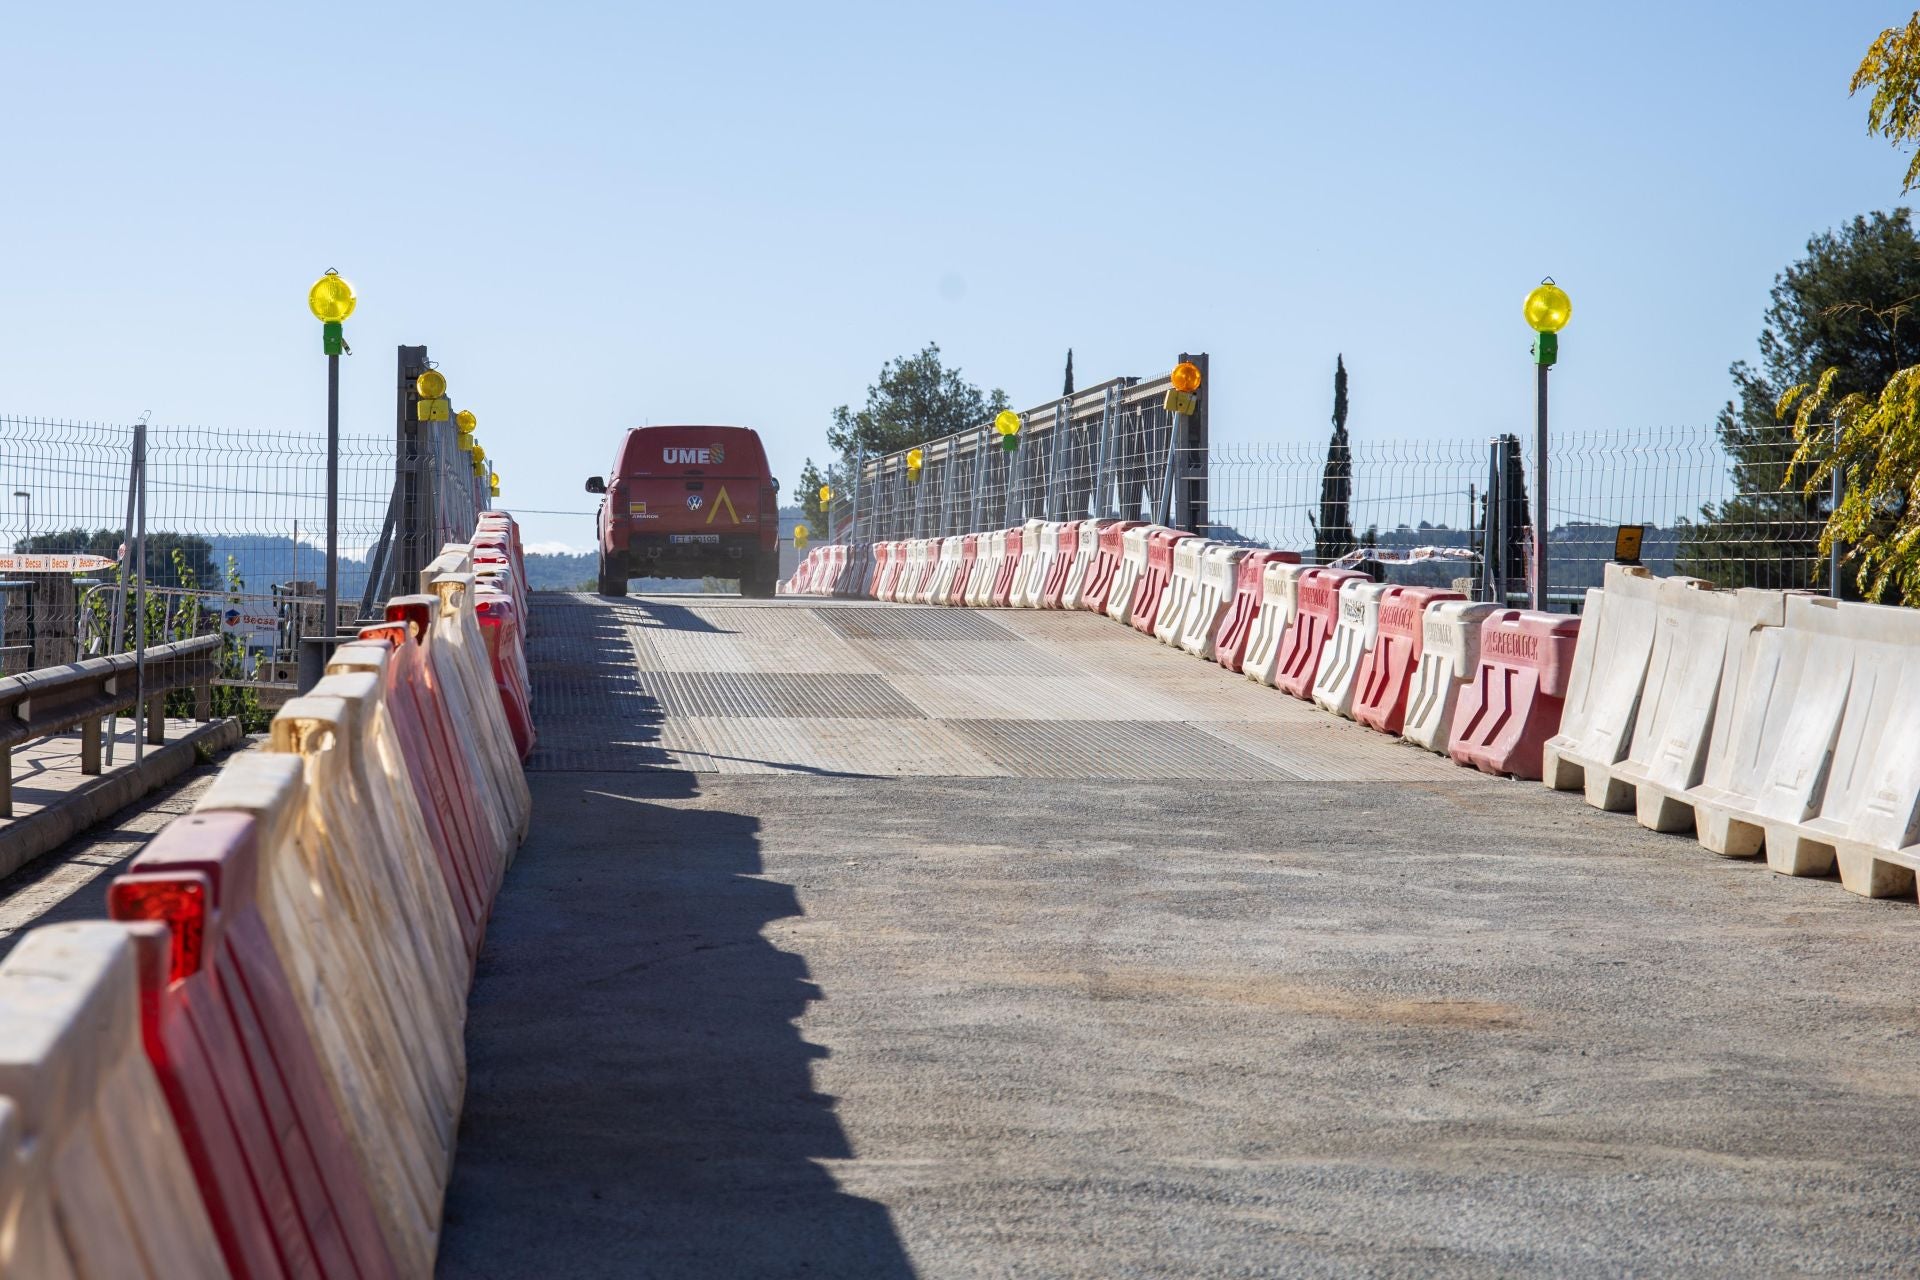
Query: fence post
[[1054, 499], [979, 479], [1833, 551], [1097, 497]]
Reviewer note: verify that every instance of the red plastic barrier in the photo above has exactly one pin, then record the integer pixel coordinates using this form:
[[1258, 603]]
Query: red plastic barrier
[[882, 562], [1319, 610], [500, 626], [1055, 584], [438, 773], [1009, 571], [461, 765], [1381, 700], [1106, 563], [969, 561], [239, 1071], [1506, 715], [1152, 587], [1236, 626]]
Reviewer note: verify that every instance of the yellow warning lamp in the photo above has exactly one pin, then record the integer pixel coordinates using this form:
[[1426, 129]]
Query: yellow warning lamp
[[800, 537], [1548, 307], [479, 454], [432, 404], [1007, 423], [826, 494], [331, 299], [466, 421], [1185, 377], [493, 485], [916, 459]]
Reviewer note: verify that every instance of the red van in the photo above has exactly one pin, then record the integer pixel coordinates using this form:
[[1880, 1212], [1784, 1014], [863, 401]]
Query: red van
[[689, 502]]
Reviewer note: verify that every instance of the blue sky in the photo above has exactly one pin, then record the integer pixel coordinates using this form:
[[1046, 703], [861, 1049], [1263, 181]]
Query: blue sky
[[598, 215]]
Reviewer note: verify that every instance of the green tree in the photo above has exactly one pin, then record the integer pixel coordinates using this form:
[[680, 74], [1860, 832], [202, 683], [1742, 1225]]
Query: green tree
[[1843, 308], [1333, 531], [917, 399], [811, 478], [1067, 388]]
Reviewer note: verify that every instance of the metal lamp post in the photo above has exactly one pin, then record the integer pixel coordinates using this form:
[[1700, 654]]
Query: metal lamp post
[[331, 299], [1547, 310]]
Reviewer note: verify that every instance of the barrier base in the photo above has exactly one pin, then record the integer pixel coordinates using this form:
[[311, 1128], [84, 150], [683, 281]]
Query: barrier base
[[1564, 771]]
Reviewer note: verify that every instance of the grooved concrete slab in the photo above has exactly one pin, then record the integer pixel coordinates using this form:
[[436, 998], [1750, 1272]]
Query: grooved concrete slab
[[718, 685], [1100, 962]]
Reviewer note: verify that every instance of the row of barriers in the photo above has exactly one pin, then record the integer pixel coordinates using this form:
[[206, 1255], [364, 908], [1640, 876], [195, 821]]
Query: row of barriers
[[1762, 721], [1476, 682], [256, 1067]]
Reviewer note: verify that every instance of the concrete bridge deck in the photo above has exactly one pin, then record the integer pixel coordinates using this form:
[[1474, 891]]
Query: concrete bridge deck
[[862, 940]]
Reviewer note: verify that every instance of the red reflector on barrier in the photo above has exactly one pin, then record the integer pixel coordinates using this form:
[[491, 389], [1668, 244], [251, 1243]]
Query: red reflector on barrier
[[178, 902]]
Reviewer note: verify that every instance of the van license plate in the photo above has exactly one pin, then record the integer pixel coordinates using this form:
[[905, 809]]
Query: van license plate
[[694, 537]]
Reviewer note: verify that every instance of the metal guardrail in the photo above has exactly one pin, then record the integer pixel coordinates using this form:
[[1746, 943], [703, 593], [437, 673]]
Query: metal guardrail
[[35, 704]]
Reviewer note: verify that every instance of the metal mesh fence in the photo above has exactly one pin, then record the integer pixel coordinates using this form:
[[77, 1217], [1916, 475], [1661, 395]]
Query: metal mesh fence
[[236, 534], [1734, 517]]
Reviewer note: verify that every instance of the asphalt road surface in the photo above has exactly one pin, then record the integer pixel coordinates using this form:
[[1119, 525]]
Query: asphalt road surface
[[856, 940]]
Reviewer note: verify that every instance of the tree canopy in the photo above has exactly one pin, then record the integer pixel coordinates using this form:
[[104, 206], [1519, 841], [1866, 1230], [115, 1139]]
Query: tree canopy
[[917, 399], [1846, 307]]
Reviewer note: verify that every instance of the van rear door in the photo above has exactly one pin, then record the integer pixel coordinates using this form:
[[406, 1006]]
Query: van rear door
[[696, 484]]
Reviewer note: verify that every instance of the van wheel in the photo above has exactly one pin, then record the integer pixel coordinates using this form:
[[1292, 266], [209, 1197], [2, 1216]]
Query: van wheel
[[613, 575], [757, 582]]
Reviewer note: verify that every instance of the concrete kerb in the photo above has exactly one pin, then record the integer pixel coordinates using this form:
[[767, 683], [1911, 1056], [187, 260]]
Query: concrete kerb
[[28, 837]]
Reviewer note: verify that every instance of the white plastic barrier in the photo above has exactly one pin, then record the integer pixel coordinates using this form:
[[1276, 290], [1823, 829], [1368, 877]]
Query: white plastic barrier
[[457, 639], [1039, 543], [925, 572], [1086, 546], [1279, 603], [1826, 763], [1182, 583], [1133, 564], [94, 1181], [948, 568], [1702, 640], [990, 552], [1345, 658], [1219, 578], [908, 590], [1449, 661], [1603, 689]]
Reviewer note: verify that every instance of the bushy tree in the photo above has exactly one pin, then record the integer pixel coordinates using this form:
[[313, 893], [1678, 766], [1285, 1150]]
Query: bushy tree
[[917, 399], [1842, 310]]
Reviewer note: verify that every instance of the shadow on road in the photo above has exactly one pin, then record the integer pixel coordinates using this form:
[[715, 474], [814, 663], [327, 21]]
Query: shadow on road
[[640, 1101]]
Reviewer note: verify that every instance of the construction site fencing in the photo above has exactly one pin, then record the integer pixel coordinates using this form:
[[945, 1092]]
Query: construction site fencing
[[1734, 516], [1109, 449]]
